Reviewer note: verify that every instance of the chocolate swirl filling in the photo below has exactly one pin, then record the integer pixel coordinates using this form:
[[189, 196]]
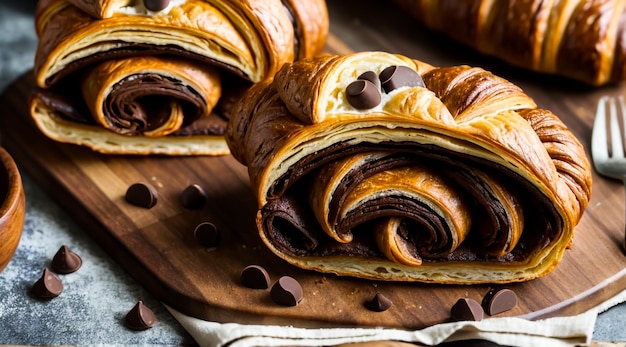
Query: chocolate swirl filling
[[73, 109], [141, 103], [419, 229]]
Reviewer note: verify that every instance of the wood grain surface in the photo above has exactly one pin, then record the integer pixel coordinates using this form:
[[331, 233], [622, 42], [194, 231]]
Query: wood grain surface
[[157, 246]]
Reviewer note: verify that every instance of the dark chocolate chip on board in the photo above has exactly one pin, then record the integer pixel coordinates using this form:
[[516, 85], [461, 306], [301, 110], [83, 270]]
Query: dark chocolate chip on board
[[499, 301], [466, 309], [286, 291], [379, 303], [255, 277], [207, 234], [140, 317], [193, 197], [65, 261], [142, 194], [48, 285], [363, 94], [394, 77]]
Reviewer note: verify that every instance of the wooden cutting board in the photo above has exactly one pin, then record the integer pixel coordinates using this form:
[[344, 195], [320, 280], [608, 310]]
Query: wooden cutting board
[[157, 246]]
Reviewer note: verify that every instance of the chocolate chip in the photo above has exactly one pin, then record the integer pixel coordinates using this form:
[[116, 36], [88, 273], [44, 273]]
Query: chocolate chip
[[142, 194], [207, 234], [394, 77], [467, 309], [48, 285], [372, 77], [65, 261], [286, 291], [255, 277], [193, 197], [156, 5], [140, 317], [363, 94], [379, 303], [498, 301]]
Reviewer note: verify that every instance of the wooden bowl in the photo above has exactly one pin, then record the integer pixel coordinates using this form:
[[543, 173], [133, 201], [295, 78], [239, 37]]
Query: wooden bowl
[[12, 208]]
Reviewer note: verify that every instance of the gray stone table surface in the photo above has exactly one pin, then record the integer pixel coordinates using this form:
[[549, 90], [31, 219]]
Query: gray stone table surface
[[97, 297]]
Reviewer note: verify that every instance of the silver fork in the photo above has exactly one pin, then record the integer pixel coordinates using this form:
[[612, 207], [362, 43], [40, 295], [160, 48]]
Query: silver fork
[[610, 163]]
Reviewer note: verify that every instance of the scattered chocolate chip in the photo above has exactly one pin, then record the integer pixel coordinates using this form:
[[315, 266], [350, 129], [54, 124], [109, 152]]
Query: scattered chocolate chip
[[498, 301], [286, 291], [156, 5], [65, 261], [207, 234], [48, 285], [372, 77], [140, 317], [255, 277], [363, 94], [379, 303], [193, 197], [141, 194], [467, 309], [394, 77]]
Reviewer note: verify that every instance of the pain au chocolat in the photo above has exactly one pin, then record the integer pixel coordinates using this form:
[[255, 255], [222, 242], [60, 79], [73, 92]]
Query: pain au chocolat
[[158, 77], [450, 175], [578, 39]]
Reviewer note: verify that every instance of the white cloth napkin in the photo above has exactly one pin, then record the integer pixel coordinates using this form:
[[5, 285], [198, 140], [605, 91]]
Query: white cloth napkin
[[509, 331]]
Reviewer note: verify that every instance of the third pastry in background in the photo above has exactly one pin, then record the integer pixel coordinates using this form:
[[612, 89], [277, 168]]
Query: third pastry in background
[[580, 39]]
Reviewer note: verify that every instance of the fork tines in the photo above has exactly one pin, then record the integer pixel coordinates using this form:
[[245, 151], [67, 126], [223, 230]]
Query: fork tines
[[616, 128]]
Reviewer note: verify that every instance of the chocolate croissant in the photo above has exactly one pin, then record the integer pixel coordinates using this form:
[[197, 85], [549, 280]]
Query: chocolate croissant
[[382, 167], [158, 77], [581, 40]]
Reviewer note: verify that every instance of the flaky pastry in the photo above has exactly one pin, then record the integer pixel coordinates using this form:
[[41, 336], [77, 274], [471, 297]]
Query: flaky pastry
[[578, 39], [150, 77], [382, 167]]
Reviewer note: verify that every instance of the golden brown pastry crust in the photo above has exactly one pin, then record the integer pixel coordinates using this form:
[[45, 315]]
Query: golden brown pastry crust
[[578, 39], [527, 174], [100, 8], [191, 42], [312, 22]]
